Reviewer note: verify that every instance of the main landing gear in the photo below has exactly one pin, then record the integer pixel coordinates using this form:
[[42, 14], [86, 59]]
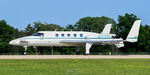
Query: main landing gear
[[88, 46]]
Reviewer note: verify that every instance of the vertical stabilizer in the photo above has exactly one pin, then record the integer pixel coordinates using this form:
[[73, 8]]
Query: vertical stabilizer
[[107, 29], [134, 32]]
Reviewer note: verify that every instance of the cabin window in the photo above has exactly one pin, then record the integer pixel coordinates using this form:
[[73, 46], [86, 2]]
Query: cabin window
[[38, 34], [68, 35], [62, 35], [56, 35], [75, 35], [81, 35]]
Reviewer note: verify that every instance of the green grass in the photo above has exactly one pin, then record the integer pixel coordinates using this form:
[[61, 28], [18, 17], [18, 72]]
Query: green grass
[[75, 67]]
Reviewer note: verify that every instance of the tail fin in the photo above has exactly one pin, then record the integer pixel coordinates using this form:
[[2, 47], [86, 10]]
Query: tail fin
[[134, 32], [107, 29]]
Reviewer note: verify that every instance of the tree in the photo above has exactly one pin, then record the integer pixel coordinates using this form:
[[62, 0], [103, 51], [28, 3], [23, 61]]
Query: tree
[[29, 30], [38, 26], [95, 24], [70, 27], [144, 39], [125, 23], [6, 35]]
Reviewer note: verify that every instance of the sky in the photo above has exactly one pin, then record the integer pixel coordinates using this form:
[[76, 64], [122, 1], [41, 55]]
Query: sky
[[19, 13]]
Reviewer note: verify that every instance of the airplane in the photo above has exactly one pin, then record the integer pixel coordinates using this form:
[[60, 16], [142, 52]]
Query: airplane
[[77, 38]]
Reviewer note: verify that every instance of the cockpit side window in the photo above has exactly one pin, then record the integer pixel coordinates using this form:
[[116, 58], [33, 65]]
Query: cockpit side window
[[38, 34]]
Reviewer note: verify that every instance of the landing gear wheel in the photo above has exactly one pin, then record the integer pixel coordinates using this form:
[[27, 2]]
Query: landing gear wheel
[[25, 47]]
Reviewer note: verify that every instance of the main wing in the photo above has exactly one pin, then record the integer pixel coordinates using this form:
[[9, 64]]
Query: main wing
[[95, 42]]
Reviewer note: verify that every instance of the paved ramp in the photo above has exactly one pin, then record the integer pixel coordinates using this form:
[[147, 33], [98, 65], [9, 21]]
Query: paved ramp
[[74, 56]]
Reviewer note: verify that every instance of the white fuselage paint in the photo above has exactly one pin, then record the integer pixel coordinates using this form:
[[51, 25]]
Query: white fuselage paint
[[66, 38]]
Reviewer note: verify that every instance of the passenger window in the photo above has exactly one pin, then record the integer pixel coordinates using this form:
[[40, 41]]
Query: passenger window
[[56, 35], [75, 35], [81, 35], [62, 35], [68, 35]]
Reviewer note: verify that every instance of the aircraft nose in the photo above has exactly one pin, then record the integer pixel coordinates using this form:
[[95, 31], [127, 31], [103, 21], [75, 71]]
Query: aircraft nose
[[12, 42]]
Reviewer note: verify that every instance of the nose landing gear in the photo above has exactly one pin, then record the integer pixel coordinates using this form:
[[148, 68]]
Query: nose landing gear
[[25, 47]]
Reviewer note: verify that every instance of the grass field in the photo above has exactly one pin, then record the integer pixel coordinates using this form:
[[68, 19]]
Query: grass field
[[75, 67]]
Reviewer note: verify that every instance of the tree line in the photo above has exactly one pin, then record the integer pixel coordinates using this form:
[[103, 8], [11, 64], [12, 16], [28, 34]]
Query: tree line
[[94, 24]]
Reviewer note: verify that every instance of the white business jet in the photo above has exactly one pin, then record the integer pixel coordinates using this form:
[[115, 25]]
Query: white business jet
[[77, 38]]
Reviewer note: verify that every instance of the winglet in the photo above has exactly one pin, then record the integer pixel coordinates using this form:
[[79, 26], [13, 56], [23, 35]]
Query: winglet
[[107, 29], [134, 32]]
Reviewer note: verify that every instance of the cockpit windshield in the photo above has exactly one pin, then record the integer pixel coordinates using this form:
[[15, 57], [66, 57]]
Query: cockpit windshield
[[38, 34]]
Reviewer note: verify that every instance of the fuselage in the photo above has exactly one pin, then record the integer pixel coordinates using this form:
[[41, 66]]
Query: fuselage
[[65, 38]]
